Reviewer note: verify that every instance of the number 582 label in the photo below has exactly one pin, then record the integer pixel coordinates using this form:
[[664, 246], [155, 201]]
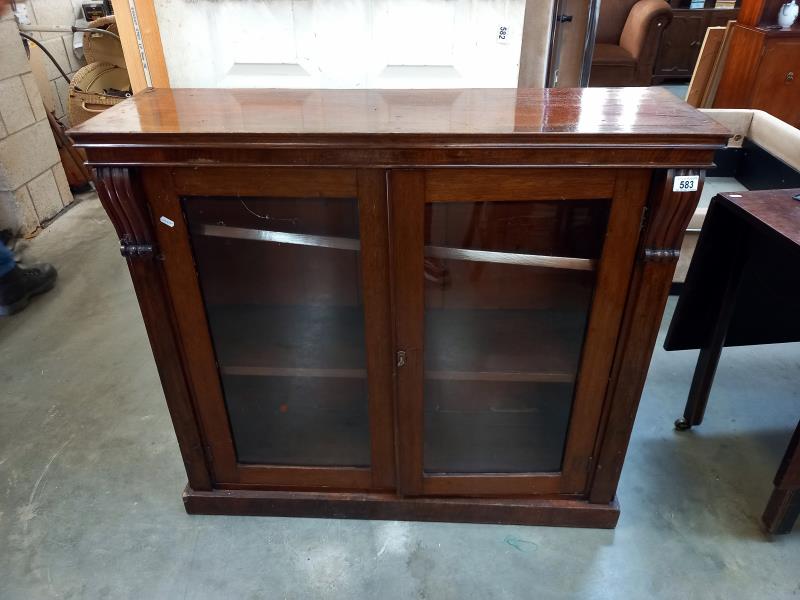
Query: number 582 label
[[686, 183]]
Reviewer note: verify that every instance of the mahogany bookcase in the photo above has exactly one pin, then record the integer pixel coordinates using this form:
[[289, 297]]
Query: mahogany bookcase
[[431, 305]]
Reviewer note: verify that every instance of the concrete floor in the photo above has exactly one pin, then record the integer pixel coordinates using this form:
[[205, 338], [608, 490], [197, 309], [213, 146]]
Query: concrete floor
[[679, 89], [718, 185], [90, 481]]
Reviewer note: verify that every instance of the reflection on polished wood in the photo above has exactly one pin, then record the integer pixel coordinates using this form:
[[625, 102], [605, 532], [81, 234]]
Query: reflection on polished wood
[[531, 115]]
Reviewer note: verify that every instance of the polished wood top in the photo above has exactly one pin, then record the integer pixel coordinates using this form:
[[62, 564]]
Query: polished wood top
[[773, 211], [756, 235], [564, 116]]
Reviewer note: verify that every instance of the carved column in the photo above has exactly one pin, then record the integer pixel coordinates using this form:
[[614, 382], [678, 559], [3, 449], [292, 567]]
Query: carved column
[[125, 205], [668, 215]]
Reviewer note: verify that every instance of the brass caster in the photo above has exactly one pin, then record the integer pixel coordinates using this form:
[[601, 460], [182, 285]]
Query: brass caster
[[682, 424]]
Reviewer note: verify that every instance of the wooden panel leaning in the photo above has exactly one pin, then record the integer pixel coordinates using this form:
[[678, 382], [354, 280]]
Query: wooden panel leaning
[[426, 304]]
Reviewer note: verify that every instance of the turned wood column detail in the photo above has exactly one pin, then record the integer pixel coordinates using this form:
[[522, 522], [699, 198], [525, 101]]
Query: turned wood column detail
[[123, 201]]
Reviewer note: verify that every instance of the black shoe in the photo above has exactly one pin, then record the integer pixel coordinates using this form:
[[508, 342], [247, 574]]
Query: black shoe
[[21, 283]]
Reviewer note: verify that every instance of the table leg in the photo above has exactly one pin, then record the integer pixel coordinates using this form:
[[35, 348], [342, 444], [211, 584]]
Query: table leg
[[783, 507], [703, 378], [708, 360]]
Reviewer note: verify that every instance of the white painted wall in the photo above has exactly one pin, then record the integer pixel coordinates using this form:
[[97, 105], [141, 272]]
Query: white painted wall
[[341, 43]]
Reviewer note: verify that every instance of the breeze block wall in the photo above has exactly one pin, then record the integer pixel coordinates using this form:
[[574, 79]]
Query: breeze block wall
[[33, 186]]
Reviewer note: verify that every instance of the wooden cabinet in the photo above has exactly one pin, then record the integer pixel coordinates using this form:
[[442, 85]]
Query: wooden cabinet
[[683, 38], [432, 305], [762, 72], [720, 18], [680, 44]]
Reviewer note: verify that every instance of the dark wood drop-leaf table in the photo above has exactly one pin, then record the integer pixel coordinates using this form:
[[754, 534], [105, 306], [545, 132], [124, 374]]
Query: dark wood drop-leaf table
[[742, 289], [431, 305]]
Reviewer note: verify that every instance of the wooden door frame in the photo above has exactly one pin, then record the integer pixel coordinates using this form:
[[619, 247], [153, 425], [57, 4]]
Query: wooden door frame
[[409, 191], [165, 188]]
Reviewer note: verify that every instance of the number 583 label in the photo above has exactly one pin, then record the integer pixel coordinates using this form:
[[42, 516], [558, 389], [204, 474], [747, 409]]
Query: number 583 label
[[686, 183]]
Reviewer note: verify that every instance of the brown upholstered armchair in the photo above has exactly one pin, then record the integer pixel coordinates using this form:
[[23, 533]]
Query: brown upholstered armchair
[[628, 36]]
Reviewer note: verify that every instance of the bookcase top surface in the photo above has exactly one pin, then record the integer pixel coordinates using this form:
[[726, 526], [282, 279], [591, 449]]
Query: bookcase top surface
[[643, 115]]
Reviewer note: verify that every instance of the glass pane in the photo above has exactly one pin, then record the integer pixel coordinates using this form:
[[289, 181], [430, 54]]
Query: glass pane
[[281, 282], [508, 287]]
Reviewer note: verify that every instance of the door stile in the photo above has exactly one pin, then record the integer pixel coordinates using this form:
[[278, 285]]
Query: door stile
[[200, 363], [613, 279], [374, 223], [407, 210]]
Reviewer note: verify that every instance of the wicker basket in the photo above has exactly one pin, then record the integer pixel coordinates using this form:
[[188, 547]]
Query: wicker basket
[[86, 96], [98, 47]]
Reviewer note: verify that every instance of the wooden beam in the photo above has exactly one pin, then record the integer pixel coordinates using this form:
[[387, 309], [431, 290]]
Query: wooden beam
[[144, 54], [714, 79], [703, 70]]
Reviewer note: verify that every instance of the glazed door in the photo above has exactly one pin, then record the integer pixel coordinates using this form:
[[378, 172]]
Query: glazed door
[[509, 291], [281, 277]]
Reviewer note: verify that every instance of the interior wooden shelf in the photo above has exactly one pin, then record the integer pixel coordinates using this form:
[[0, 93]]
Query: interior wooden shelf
[[461, 344], [502, 345], [354, 245], [289, 341]]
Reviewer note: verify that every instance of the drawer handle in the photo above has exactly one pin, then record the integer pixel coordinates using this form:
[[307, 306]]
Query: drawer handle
[[790, 76]]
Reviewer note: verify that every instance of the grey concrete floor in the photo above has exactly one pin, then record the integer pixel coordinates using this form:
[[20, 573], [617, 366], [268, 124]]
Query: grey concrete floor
[[90, 481], [679, 89]]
